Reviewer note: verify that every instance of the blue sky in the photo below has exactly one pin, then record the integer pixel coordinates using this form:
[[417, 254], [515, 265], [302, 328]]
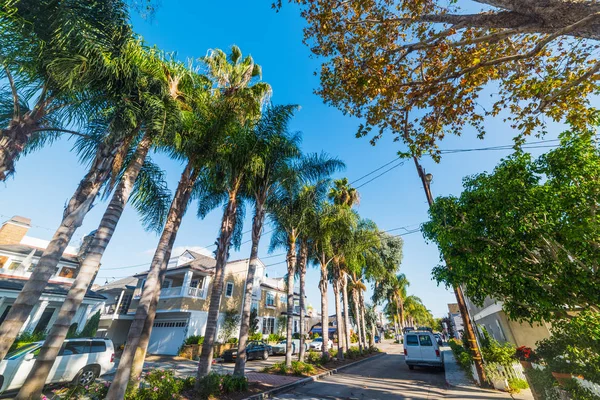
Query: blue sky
[[45, 180]]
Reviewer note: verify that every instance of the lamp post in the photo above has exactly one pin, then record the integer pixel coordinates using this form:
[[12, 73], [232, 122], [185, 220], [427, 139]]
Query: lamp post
[[426, 179]]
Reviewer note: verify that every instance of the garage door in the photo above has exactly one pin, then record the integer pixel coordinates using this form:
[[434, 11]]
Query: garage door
[[167, 337]]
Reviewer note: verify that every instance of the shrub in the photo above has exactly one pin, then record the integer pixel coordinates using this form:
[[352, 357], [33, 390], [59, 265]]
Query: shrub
[[94, 391], [462, 355], [333, 352], [300, 368], [233, 340], [494, 352], [543, 383], [273, 337], [72, 332], [373, 349], [353, 338], [314, 357], [157, 385], [574, 346], [231, 320], [388, 335], [296, 336], [517, 384], [256, 336], [26, 338], [352, 353], [91, 326], [195, 339], [210, 385], [233, 384]]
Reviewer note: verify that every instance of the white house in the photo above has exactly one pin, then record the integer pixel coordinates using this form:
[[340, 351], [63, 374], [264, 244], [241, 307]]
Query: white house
[[19, 254]]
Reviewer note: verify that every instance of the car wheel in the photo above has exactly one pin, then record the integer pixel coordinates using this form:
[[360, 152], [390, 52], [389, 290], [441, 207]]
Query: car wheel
[[265, 355], [411, 367], [86, 376]]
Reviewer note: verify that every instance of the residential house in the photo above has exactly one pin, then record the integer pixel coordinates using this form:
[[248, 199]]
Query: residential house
[[273, 305], [19, 254], [491, 317], [115, 320]]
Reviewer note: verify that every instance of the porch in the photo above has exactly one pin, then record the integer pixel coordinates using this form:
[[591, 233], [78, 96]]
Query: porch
[[178, 283]]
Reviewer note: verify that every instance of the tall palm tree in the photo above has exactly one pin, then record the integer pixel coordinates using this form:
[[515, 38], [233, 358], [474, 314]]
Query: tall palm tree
[[276, 152], [59, 63], [156, 120], [343, 194], [289, 212]]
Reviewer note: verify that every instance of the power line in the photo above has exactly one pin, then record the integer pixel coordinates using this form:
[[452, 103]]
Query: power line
[[375, 170], [381, 174]]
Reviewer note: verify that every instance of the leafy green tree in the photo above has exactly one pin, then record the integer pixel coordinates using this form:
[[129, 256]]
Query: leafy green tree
[[527, 233], [231, 321], [384, 61], [91, 326]]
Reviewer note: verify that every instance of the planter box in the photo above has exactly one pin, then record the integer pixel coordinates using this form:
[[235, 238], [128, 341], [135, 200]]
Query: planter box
[[526, 364], [562, 378]]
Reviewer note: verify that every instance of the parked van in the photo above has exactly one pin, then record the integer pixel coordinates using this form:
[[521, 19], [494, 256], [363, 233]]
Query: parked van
[[422, 349]]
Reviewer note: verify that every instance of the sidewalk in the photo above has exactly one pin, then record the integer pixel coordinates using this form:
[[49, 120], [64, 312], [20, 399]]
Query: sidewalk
[[461, 386]]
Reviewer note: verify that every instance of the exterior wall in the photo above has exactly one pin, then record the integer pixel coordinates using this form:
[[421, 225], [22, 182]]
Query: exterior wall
[[116, 330], [14, 230], [528, 335], [264, 311]]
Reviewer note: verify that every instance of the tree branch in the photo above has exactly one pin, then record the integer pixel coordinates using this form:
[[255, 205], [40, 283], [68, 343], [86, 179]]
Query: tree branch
[[75, 133]]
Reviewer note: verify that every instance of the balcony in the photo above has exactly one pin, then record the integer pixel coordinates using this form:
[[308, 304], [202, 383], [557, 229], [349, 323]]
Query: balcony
[[177, 291]]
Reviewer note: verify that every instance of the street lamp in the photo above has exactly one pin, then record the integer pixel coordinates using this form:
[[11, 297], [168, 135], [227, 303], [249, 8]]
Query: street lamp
[[428, 178]]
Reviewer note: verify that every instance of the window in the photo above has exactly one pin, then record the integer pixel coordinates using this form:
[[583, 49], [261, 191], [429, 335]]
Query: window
[[98, 346], [229, 289], [283, 299], [268, 325], [14, 265], [425, 340], [295, 326], [75, 347], [3, 261], [500, 329], [270, 299], [3, 316], [411, 340], [44, 320], [67, 272], [197, 282], [167, 283], [125, 303]]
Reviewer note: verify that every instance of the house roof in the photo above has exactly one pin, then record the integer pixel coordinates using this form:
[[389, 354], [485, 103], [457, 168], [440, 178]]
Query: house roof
[[26, 250], [202, 263], [129, 282], [51, 288]]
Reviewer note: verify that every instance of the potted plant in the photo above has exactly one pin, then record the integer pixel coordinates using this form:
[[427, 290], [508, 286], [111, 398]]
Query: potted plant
[[526, 356]]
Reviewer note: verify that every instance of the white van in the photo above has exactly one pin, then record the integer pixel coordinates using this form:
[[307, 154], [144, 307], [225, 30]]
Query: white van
[[421, 348]]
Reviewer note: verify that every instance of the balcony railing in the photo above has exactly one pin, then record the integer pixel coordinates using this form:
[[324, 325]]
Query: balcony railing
[[177, 291]]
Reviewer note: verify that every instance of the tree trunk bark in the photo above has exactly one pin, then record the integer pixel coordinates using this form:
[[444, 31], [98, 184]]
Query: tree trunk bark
[[12, 142], [324, 310], [73, 216], [291, 270], [132, 359], [257, 225], [87, 271], [361, 299], [227, 228], [347, 335], [338, 317], [302, 271], [357, 319]]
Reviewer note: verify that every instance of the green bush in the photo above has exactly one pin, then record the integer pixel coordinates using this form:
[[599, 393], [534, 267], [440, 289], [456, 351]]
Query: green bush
[[574, 346], [256, 336], [91, 327], [517, 384], [300, 368], [352, 353], [232, 340], [353, 337], [273, 337], [388, 335], [578, 392], [233, 384], [494, 352], [543, 383], [210, 386], [72, 332], [157, 385], [195, 339], [462, 355], [314, 357], [333, 352]]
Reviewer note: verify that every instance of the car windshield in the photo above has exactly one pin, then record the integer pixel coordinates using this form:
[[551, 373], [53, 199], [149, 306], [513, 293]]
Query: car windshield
[[21, 351], [283, 342], [318, 340]]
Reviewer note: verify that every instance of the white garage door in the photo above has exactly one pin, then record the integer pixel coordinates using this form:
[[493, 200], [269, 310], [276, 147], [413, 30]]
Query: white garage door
[[167, 337]]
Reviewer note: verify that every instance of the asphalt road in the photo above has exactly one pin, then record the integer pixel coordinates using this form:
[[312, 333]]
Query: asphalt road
[[385, 378]]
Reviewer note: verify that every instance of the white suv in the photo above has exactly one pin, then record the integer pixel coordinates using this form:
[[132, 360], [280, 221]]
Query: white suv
[[421, 348], [80, 361]]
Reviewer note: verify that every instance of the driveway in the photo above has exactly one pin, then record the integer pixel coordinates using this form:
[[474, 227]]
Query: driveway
[[387, 378]]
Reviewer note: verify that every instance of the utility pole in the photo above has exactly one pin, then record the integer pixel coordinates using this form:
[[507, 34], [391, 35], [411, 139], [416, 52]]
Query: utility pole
[[460, 297]]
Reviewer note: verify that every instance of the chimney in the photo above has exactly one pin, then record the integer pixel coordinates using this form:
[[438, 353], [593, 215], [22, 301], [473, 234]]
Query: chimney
[[14, 230]]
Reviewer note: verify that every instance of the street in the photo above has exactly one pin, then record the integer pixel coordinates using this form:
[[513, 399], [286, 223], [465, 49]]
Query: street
[[387, 377]]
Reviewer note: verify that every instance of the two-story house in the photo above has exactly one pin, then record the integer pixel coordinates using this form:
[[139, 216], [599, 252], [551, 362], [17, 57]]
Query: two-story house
[[273, 304], [182, 308], [19, 254]]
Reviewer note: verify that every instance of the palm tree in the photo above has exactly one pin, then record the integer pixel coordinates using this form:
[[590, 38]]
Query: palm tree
[[59, 63], [151, 202], [289, 208], [342, 194], [276, 153]]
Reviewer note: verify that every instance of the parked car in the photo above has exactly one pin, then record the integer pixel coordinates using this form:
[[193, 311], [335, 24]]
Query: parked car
[[377, 339], [280, 348], [256, 349], [317, 344], [422, 349], [407, 329], [79, 361]]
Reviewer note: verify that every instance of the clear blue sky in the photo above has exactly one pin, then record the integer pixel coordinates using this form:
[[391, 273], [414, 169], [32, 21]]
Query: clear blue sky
[[45, 180]]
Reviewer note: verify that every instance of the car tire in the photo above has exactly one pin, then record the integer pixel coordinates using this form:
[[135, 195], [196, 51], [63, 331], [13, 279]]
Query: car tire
[[86, 376], [411, 367], [265, 355]]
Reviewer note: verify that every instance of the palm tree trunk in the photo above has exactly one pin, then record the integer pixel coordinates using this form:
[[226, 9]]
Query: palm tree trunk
[[291, 270], [361, 305], [324, 310], [400, 312], [227, 228], [302, 272], [87, 271], [132, 359], [257, 224], [338, 317], [73, 216], [346, 315], [357, 319]]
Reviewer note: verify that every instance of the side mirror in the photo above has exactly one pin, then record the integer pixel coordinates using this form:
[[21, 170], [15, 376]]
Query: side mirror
[[28, 357]]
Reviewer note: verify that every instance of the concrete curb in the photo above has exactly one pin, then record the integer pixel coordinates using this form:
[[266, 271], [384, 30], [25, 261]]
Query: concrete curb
[[280, 389]]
